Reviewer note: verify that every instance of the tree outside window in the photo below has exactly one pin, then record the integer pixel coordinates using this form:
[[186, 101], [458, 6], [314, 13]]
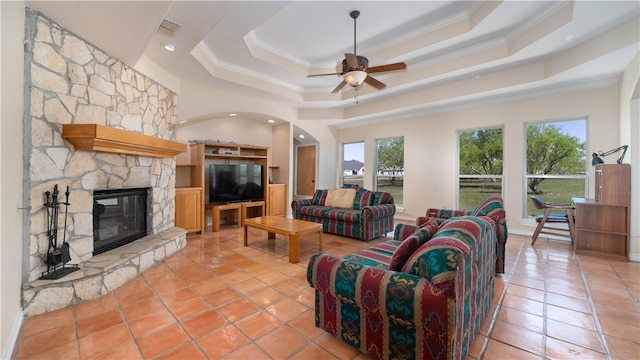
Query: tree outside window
[[390, 167], [480, 166], [556, 162]]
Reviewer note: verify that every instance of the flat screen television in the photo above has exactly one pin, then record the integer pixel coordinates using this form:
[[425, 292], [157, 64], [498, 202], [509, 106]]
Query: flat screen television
[[230, 183]]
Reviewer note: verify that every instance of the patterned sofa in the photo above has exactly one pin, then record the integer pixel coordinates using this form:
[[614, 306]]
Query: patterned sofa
[[370, 215], [493, 207], [419, 297]]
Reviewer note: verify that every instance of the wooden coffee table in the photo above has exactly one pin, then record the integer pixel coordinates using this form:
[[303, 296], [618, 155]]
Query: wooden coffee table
[[289, 227]]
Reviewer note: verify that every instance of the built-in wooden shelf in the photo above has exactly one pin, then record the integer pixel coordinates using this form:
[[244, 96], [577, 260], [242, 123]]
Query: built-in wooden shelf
[[94, 137]]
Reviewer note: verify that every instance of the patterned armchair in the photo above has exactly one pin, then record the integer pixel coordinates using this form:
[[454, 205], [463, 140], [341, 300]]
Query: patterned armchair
[[370, 215], [493, 207], [431, 308]]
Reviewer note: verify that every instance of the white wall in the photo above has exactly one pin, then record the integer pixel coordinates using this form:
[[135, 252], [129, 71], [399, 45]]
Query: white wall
[[431, 145], [198, 102], [227, 129], [12, 16], [630, 135]]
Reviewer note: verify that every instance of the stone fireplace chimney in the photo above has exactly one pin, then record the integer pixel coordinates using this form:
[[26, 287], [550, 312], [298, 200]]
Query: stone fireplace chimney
[[70, 81]]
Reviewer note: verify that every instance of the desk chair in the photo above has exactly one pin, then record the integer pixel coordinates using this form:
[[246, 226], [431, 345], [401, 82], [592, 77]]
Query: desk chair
[[547, 218]]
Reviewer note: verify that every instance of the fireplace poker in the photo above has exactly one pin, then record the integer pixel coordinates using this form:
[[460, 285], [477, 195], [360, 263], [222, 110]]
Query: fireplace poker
[[64, 248], [66, 208], [56, 206]]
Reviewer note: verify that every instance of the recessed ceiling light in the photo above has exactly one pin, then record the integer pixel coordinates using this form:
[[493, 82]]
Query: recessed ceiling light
[[233, 114], [182, 122], [170, 47], [271, 121], [301, 136]]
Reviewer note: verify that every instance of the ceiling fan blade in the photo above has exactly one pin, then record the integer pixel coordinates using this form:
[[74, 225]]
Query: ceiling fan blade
[[329, 74], [388, 67], [352, 60], [375, 83], [339, 87]]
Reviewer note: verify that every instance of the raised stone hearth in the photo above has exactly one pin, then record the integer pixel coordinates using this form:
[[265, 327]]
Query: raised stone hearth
[[102, 273]]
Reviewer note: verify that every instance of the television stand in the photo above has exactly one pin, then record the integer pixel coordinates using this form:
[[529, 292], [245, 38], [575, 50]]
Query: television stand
[[243, 207], [215, 214]]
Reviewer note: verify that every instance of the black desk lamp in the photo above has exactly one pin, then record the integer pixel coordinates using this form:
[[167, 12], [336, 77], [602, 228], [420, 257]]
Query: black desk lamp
[[597, 160]]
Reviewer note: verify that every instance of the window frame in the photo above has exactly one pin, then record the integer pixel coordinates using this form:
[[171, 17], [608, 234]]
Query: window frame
[[342, 169], [471, 176], [527, 176], [397, 201]]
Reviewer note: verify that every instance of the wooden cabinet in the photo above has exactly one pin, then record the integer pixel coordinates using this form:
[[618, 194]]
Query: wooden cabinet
[[613, 184], [188, 214], [602, 224], [205, 153], [277, 200]]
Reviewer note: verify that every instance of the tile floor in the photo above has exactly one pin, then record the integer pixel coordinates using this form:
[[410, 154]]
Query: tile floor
[[219, 300]]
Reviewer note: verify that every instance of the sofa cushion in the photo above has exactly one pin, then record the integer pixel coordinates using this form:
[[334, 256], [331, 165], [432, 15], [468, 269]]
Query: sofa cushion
[[403, 231], [363, 198], [411, 244], [431, 225], [314, 210], [343, 198], [342, 215], [440, 256], [407, 247], [319, 197], [378, 256]]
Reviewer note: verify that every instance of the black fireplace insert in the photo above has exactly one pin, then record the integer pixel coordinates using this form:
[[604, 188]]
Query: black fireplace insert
[[119, 217]]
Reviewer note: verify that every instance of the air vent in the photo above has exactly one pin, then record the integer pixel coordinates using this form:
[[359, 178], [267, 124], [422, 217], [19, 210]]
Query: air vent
[[168, 27]]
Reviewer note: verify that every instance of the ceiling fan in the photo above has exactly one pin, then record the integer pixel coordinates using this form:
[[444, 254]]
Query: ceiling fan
[[355, 68]]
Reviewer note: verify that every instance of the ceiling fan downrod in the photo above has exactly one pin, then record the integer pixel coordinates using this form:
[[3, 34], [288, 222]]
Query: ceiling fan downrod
[[354, 14]]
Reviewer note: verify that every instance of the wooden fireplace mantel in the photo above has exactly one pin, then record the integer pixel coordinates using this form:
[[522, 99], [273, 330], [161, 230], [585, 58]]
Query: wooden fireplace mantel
[[94, 137]]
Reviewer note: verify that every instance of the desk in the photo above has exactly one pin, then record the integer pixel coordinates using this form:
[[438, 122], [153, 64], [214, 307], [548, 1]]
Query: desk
[[602, 229]]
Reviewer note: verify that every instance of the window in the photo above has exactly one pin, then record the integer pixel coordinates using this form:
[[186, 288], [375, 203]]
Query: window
[[390, 167], [556, 162], [353, 164], [479, 166]]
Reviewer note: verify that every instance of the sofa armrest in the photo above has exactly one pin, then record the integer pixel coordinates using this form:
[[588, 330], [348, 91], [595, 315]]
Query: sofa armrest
[[374, 212], [297, 204]]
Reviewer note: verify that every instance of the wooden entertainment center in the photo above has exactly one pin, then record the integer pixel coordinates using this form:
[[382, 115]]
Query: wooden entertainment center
[[202, 154]]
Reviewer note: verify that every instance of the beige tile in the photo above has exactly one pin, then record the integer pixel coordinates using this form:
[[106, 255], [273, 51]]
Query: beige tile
[[162, 341], [519, 337], [272, 342], [575, 335], [222, 342], [558, 349]]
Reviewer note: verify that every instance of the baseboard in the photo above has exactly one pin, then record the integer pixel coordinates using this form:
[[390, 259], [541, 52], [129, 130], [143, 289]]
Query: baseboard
[[13, 336]]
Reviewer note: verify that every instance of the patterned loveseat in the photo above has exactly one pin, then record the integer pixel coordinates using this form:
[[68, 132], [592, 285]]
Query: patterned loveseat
[[368, 216], [493, 206], [423, 297]]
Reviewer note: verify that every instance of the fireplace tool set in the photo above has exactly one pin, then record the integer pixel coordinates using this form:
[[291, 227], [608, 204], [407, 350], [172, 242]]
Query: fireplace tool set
[[57, 257]]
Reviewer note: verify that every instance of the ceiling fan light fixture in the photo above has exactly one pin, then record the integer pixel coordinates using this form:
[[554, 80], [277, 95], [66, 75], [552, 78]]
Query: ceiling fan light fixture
[[355, 78]]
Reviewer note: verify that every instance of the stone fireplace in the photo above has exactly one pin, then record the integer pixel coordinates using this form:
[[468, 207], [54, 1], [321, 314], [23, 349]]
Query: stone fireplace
[[70, 81]]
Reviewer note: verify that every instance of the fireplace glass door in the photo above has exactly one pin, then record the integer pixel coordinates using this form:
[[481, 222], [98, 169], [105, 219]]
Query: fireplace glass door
[[119, 217]]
